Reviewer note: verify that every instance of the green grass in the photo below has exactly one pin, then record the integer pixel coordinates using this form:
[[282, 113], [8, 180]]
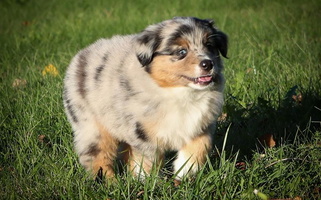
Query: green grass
[[275, 54]]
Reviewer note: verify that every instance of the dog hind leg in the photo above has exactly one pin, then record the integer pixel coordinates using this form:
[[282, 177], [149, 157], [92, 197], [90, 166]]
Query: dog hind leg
[[97, 151]]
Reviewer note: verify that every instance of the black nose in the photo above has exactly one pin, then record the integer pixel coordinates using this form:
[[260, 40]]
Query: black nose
[[206, 65]]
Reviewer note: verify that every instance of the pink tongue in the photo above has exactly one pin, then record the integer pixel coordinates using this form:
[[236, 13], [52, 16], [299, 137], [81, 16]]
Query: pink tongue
[[204, 79]]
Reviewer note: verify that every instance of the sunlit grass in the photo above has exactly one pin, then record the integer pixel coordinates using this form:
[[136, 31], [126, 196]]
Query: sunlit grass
[[273, 87]]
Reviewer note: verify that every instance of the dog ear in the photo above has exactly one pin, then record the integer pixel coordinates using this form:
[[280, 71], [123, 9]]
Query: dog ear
[[221, 41], [147, 43], [221, 38], [211, 22]]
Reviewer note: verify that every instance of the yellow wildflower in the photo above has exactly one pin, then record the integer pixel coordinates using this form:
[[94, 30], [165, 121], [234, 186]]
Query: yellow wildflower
[[51, 70]]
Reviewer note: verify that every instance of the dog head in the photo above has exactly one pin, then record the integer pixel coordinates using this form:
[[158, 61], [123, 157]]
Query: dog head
[[183, 52]]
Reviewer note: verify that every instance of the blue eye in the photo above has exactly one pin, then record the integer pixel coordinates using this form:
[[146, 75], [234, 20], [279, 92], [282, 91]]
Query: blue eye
[[182, 53]]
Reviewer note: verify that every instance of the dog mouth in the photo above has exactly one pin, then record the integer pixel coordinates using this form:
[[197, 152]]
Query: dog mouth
[[201, 80]]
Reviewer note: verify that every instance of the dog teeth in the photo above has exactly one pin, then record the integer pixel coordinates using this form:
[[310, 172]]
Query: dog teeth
[[200, 80]]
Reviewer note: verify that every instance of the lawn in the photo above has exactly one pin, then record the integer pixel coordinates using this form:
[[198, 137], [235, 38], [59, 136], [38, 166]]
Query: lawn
[[268, 138]]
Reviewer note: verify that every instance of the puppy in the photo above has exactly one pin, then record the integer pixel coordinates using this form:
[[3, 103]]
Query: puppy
[[158, 90]]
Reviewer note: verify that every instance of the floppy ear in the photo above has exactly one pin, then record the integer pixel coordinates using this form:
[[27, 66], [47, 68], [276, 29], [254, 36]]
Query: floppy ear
[[147, 43], [210, 22], [221, 41]]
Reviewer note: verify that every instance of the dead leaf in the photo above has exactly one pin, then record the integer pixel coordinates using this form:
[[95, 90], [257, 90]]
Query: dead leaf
[[249, 70], [268, 140], [140, 193], [177, 183], [44, 140], [222, 118], [19, 83], [26, 23], [108, 13], [240, 165], [297, 98]]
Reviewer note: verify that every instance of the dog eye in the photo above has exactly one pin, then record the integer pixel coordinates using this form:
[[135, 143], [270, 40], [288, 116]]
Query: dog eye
[[182, 53]]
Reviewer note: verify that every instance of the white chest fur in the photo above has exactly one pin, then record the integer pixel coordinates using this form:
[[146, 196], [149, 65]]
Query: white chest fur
[[185, 113]]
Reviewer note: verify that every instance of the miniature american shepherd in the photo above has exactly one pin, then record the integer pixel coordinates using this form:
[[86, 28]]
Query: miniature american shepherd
[[137, 96]]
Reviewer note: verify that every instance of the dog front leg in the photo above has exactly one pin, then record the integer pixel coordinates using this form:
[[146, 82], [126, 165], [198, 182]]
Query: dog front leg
[[141, 165], [192, 156]]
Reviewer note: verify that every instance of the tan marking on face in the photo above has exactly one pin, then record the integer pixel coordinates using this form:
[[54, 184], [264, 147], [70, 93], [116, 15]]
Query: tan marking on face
[[167, 70], [182, 43]]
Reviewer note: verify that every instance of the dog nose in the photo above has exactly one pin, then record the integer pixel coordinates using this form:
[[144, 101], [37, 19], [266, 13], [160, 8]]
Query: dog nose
[[206, 64]]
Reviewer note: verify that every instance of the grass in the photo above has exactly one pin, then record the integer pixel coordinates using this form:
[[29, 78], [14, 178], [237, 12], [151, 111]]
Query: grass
[[273, 87]]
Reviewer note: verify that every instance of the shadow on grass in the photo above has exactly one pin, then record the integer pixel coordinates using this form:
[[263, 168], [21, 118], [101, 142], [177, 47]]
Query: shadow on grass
[[261, 124]]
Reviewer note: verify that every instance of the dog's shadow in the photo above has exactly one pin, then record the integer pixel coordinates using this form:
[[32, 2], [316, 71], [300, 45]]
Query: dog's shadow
[[259, 125]]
